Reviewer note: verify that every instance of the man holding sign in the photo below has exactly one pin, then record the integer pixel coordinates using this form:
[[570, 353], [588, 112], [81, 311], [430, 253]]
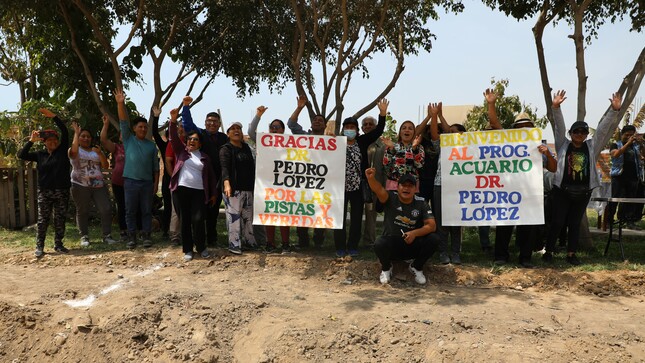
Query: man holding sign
[[408, 227]]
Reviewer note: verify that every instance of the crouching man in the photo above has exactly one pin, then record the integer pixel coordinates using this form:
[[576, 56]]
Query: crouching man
[[408, 227]]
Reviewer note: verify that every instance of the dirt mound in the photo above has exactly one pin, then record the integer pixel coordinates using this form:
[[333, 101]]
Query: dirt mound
[[150, 306]]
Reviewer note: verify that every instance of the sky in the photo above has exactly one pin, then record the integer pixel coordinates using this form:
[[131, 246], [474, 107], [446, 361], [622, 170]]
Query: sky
[[471, 48]]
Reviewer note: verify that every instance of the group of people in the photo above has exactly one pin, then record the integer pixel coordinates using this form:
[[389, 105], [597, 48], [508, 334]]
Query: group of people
[[400, 178]]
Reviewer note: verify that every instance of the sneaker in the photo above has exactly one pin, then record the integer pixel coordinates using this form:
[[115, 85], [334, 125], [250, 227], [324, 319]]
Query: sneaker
[[109, 240], [286, 248], [132, 240], [147, 242], [205, 254], [235, 250], [444, 259], [188, 256], [455, 259], [61, 249], [573, 260], [353, 253], [39, 252], [340, 253], [386, 276], [419, 278], [175, 241], [547, 257], [85, 241]]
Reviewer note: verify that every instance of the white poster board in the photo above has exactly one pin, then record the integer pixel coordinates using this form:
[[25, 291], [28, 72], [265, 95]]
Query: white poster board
[[300, 181], [492, 178]]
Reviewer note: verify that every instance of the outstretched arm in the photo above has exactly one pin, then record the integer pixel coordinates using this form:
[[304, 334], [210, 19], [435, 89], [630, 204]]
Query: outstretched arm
[[124, 119], [73, 150], [107, 143], [292, 123], [186, 117], [253, 126], [491, 97], [559, 129]]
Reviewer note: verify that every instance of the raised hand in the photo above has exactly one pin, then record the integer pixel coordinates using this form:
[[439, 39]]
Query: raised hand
[[558, 98], [388, 143], [119, 96], [46, 112], [106, 119], [490, 95], [156, 111], [302, 101], [543, 149], [187, 100], [260, 111], [416, 141], [35, 136], [433, 109], [370, 172], [174, 113], [616, 101], [76, 127], [382, 105], [440, 108]]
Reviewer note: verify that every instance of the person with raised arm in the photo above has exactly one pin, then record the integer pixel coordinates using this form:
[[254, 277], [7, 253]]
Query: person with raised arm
[[118, 162], [88, 185], [213, 140], [318, 124], [140, 173], [408, 226], [53, 180], [525, 235], [355, 166], [193, 184], [576, 175]]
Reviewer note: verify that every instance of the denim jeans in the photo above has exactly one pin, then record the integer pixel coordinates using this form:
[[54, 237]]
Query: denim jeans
[[138, 197]]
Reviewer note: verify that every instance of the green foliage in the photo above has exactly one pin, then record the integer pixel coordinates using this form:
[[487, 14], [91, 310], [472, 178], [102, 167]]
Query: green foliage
[[390, 131], [507, 108]]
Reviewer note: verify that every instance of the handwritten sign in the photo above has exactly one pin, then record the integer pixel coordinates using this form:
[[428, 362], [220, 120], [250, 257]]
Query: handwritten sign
[[300, 181], [492, 178]]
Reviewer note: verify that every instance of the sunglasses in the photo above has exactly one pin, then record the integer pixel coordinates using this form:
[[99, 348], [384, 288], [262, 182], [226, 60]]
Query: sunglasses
[[579, 132], [275, 127]]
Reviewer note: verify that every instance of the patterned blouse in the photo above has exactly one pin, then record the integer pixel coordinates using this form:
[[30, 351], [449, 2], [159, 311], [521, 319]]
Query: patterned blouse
[[352, 168], [401, 160]]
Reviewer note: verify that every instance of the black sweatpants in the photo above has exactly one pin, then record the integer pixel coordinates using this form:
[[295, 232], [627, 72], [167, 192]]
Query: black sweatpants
[[388, 248]]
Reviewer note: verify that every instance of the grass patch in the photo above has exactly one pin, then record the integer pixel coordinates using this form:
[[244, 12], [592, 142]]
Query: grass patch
[[593, 260]]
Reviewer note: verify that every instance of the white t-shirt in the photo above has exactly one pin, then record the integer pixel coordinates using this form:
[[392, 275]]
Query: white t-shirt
[[190, 174]]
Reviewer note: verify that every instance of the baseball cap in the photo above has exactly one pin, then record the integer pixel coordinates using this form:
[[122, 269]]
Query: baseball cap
[[579, 125], [408, 178], [233, 124]]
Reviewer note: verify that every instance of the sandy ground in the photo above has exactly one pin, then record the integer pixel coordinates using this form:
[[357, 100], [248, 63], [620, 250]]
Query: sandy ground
[[150, 306]]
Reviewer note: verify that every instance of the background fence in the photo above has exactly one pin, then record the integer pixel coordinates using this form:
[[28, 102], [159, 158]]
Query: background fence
[[18, 192]]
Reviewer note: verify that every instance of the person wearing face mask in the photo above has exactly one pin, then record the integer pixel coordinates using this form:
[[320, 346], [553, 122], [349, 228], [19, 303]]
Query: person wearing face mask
[[88, 184], [356, 146], [403, 157], [576, 177], [53, 180], [193, 186]]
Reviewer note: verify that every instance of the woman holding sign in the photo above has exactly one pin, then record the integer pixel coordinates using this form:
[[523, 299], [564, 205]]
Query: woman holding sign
[[576, 176], [275, 127]]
